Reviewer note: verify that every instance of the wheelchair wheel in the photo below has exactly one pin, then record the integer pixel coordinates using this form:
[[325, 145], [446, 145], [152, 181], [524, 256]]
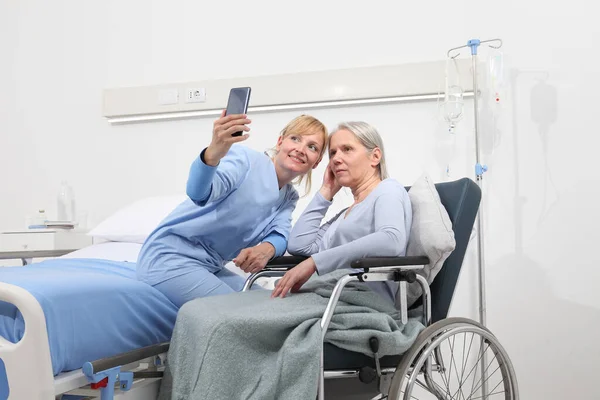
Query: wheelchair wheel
[[445, 363]]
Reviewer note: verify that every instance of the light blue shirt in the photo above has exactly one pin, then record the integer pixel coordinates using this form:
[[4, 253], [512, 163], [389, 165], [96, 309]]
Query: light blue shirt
[[378, 226], [235, 205]]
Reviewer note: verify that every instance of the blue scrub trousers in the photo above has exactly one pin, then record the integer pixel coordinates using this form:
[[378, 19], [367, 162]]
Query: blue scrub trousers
[[200, 283]]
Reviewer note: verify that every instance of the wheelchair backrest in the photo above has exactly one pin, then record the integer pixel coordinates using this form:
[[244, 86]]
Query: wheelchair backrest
[[461, 199]]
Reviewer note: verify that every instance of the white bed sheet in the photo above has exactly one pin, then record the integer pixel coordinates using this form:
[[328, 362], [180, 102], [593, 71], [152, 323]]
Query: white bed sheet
[[113, 251]]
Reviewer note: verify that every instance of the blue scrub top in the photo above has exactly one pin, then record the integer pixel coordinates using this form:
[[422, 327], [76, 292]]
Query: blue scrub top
[[235, 205]]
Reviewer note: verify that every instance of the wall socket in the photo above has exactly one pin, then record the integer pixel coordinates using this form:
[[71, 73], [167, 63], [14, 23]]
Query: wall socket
[[195, 95]]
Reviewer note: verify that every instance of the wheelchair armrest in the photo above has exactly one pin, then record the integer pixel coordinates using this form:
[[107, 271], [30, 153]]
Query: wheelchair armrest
[[276, 267], [399, 269], [379, 262], [284, 262]]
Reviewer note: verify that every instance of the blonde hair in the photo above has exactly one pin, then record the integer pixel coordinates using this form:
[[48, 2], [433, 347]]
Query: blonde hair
[[306, 125], [369, 137]]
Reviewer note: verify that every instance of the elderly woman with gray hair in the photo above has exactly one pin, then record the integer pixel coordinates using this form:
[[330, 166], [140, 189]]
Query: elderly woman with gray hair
[[377, 224]]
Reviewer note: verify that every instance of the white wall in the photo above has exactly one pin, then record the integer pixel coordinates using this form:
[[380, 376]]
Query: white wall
[[540, 210]]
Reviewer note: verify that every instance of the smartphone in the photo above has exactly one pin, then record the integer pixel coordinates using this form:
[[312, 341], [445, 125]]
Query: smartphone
[[238, 103]]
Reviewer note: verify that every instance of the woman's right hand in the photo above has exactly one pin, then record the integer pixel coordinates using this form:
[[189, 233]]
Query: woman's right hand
[[330, 185], [222, 140]]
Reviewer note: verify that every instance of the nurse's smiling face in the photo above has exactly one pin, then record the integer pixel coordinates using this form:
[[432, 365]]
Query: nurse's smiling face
[[300, 148], [299, 153]]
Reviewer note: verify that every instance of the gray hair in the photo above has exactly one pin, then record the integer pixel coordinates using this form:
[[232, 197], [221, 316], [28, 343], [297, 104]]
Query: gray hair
[[369, 137]]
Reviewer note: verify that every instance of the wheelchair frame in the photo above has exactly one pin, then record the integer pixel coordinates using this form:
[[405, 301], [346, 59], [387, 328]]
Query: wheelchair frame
[[402, 270]]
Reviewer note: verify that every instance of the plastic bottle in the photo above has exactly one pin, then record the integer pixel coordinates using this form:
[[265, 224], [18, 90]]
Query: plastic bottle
[[65, 203], [73, 208]]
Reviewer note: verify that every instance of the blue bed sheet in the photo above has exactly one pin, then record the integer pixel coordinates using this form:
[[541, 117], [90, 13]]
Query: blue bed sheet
[[94, 309]]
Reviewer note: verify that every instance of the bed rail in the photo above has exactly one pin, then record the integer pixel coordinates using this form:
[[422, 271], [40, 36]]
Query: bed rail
[[91, 368], [27, 363]]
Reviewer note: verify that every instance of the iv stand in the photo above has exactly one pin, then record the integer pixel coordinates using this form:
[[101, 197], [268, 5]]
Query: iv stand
[[473, 44]]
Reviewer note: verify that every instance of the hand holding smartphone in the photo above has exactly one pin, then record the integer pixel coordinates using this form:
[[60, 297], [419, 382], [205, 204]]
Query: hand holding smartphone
[[238, 103], [223, 137]]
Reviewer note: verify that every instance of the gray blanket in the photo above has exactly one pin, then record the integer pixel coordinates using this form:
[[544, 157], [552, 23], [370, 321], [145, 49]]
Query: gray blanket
[[249, 346]]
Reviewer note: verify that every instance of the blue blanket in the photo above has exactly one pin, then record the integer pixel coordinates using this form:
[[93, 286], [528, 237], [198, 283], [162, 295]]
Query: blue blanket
[[93, 308]]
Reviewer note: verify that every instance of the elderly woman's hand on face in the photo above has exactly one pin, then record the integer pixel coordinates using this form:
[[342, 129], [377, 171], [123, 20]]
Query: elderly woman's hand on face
[[330, 185], [295, 278]]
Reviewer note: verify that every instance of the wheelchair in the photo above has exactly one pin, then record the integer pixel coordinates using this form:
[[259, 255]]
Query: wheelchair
[[452, 358]]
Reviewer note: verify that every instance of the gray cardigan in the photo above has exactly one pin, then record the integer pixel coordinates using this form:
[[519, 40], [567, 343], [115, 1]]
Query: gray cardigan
[[376, 227]]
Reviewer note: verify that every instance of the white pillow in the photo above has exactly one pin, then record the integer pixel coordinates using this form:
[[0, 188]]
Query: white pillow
[[431, 232], [135, 222]]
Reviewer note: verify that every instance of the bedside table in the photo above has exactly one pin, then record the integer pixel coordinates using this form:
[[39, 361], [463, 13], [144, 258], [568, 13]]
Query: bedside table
[[36, 243]]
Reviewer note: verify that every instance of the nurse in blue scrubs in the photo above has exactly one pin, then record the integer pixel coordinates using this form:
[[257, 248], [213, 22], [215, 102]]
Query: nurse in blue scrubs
[[239, 208]]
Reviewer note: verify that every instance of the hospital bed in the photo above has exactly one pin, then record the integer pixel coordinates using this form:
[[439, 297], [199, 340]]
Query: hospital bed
[[81, 326], [85, 308], [59, 314]]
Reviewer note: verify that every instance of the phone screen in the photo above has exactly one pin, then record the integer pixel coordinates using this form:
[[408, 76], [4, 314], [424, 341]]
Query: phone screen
[[238, 101]]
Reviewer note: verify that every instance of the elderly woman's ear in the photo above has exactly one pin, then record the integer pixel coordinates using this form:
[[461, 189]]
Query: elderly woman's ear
[[375, 157]]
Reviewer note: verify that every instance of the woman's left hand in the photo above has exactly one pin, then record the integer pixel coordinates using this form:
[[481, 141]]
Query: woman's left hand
[[254, 259], [295, 278]]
